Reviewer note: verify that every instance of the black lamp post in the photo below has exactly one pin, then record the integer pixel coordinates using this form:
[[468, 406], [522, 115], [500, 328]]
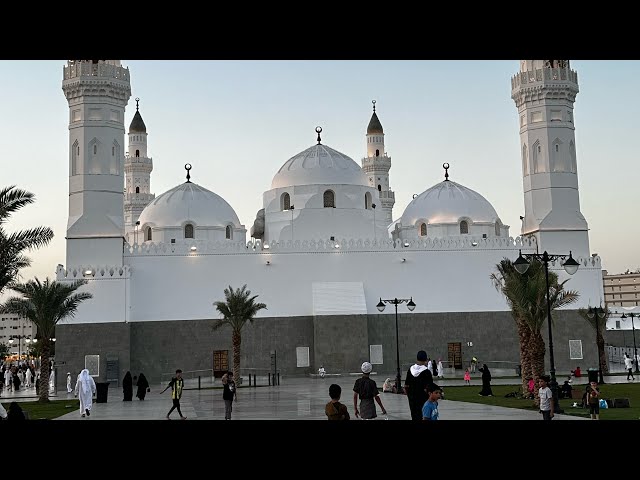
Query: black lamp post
[[570, 266], [599, 314], [19, 337], [633, 328], [411, 306]]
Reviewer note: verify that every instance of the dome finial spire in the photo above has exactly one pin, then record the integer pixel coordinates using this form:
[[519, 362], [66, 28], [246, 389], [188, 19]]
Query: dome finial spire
[[446, 171], [137, 106], [318, 130], [374, 105], [187, 167]]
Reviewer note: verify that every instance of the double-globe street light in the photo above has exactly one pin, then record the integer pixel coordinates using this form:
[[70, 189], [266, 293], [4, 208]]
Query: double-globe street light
[[599, 314], [570, 266], [633, 328], [411, 306]]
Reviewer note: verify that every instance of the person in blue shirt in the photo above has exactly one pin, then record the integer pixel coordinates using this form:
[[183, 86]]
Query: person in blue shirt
[[430, 408]]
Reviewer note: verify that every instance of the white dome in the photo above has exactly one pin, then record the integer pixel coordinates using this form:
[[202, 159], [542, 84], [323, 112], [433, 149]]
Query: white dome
[[447, 202], [319, 165], [189, 202]]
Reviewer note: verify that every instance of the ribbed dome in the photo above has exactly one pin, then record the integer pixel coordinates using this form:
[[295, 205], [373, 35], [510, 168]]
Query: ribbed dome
[[137, 125], [374, 125], [318, 165], [447, 202], [189, 202]]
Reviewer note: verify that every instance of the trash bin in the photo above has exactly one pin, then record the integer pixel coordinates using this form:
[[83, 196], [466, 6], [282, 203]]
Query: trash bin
[[102, 389], [593, 374], [519, 370]]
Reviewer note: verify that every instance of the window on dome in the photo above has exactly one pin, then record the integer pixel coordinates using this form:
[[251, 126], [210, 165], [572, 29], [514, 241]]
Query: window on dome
[[367, 201], [285, 201], [377, 152], [229, 232], [137, 153], [423, 229], [464, 227], [149, 235], [379, 187], [188, 231], [137, 189], [329, 199]]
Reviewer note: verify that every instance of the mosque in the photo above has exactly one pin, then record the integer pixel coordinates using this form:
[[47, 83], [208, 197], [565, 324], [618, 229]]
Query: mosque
[[324, 249]]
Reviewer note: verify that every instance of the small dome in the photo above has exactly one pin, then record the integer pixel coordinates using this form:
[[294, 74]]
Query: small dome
[[374, 125], [447, 202], [319, 165], [189, 202], [137, 125]]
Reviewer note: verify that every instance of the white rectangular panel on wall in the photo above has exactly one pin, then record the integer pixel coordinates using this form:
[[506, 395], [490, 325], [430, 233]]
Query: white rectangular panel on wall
[[338, 298], [302, 356], [92, 363], [575, 349], [375, 354]]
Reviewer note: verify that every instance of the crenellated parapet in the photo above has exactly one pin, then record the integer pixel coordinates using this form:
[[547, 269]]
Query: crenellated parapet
[[544, 83], [92, 272], [86, 68]]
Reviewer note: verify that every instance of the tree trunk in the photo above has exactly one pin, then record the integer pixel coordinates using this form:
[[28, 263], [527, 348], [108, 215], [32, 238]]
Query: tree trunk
[[43, 385], [602, 353], [525, 361], [236, 340], [537, 349]]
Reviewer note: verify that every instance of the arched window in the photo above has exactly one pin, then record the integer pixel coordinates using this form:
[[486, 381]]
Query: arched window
[[95, 149], [525, 161], [329, 199], [377, 152], [229, 232], [285, 201], [497, 228], [137, 189], [379, 187], [367, 201], [137, 153], [464, 227], [423, 229], [188, 231], [149, 234]]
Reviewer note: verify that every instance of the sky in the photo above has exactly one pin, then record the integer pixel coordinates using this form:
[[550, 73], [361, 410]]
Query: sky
[[237, 121]]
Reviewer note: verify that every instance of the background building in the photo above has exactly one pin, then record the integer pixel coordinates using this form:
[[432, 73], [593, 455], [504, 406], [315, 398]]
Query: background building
[[621, 290]]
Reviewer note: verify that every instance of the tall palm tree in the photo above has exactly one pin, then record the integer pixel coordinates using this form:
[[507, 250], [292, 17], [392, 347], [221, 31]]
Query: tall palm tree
[[526, 295], [45, 304], [13, 245], [238, 308], [602, 326]]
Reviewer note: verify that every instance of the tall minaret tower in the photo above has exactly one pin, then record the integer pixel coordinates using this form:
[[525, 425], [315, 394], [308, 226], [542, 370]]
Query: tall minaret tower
[[97, 92], [377, 165], [544, 92], [137, 169]]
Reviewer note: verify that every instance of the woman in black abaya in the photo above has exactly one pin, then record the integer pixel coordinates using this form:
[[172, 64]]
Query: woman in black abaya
[[486, 381], [127, 387], [143, 386]]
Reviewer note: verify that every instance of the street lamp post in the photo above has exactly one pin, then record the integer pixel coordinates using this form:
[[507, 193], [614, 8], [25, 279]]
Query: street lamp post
[[19, 337], [633, 328], [570, 266], [411, 306], [599, 314]]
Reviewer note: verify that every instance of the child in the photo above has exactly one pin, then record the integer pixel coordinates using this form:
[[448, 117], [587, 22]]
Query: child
[[430, 408], [467, 376], [593, 399], [334, 409]]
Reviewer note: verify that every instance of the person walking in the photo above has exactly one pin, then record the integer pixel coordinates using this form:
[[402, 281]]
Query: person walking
[[467, 377], [545, 399], [415, 385], [474, 363], [486, 381], [440, 369], [430, 407], [229, 393], [85, 390], [176, 384], [127, 387], [366, 389], [143, 387], [628, 364], [69, 387], [334, 410], [593, 399]]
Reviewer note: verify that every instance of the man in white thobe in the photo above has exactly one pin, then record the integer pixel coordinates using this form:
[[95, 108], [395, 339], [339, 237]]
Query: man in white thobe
[[85, 389], [69, 387], [27, 378]]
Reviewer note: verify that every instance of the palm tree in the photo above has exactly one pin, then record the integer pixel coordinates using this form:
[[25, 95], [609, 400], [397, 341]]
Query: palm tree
[[238, 308], [45, 304], [526, 295], [13, 245], [602, 326]]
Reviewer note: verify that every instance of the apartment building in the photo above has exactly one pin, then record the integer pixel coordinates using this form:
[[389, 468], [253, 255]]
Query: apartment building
[[21, 330], [621, 290]]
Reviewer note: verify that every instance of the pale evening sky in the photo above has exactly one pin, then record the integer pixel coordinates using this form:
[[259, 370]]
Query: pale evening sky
[[238, 121]]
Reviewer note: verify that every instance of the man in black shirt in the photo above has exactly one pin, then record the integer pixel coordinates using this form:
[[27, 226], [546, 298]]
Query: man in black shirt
[[418, 377]]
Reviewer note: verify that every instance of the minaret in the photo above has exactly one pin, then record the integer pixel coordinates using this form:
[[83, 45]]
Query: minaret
[[97, 92], [544, 92], [377, 164], [137, 169]]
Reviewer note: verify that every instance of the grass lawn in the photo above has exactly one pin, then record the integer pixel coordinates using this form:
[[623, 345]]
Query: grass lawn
[[617, 390], [47, 411]]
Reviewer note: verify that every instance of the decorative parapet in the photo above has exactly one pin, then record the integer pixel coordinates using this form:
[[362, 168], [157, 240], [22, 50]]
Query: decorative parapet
[[90, 69], [552, 83], [91, 272], [544, 75]]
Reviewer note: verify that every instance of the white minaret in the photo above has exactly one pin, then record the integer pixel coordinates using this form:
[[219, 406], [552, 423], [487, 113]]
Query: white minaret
[[97, 92], [377, 165], [137, 169], [544, 92]]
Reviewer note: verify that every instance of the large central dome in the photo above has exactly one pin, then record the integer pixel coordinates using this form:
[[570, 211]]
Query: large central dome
[[319, 165]]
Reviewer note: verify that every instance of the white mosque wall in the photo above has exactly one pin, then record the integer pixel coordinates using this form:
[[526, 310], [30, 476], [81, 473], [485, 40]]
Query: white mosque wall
[[174, 283]]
